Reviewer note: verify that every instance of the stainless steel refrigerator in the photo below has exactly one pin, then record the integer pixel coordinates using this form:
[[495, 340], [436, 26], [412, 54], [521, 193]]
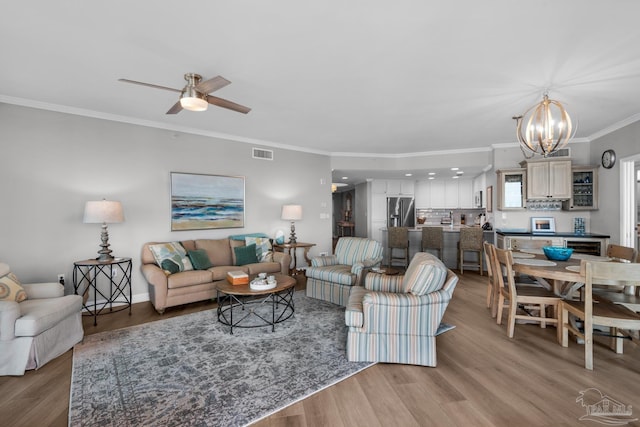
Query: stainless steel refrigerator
[[401, 212]]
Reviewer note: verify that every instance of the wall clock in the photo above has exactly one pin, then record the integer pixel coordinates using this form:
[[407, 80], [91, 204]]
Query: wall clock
[[608, 159]]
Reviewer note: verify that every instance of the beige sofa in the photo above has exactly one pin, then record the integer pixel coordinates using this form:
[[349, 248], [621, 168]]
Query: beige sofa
[[168, 290]]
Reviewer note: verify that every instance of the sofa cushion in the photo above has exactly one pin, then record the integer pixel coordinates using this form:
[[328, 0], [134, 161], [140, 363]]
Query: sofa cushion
[[246, 254], [219, 250], [425, 274], [264, 267], [264, 251], [200, 259], [171, 255], [11, 288], [189, 278], [219, 272], [38, 315], [340, 274]]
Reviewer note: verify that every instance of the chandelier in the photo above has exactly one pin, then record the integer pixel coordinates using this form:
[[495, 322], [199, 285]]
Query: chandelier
[[544, 128]]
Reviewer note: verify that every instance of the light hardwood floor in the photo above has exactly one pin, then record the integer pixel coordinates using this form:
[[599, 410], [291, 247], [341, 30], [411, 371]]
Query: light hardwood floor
[[483, 378]]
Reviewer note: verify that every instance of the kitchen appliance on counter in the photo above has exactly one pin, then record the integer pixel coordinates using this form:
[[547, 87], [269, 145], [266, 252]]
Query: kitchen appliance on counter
[[401, 212]]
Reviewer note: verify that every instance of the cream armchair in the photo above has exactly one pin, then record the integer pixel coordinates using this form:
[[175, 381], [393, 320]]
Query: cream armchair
[[331, 277], [38, 329], [395, 319]]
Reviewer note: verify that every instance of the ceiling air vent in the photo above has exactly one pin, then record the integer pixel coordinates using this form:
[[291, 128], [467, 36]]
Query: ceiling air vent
[[262, 154], [563, 152]]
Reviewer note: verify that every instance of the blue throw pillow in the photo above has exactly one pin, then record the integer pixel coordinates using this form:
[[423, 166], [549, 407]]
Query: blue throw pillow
[[199, 259], [245, 254]]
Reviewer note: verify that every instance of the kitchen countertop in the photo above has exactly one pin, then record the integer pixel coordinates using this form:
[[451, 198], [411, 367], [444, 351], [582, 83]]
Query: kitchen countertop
[[556, 234], [445, 228]]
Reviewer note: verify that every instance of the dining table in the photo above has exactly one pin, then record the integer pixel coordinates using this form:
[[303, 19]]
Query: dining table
[[563, 277]]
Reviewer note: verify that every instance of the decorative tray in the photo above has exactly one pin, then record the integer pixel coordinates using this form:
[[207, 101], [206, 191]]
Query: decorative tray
[[261, 285]]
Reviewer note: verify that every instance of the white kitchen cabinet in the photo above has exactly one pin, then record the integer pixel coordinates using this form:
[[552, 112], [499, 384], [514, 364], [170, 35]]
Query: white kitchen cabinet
[[423, 194], [379, 207], [451, 194], [438, 195], [465, 194], [407, 187], [379, 186], [400, 187], [549, 179]]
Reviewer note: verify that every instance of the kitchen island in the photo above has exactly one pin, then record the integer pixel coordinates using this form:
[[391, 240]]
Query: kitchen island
[[451, 239]]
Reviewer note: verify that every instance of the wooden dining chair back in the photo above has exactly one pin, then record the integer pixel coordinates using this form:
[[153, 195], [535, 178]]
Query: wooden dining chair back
[[622, 253], [432, 239], [398, 241], [470, 241], [530, 298], [604, 312], [492, 286], [520, 244]]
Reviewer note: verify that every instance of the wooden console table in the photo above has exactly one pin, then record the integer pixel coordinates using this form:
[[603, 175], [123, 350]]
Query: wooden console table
[[291, 250]]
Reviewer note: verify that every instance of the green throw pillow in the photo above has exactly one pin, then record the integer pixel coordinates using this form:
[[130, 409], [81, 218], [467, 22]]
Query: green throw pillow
[[199, 259], [170, 265], [246, 254]]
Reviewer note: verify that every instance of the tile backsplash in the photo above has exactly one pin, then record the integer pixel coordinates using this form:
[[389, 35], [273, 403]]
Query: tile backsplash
[[435, 216]]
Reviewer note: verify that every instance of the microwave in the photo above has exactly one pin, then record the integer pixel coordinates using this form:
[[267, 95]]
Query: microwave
[[477, 199]]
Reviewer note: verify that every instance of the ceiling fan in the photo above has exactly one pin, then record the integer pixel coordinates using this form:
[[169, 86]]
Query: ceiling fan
[[195, 95]]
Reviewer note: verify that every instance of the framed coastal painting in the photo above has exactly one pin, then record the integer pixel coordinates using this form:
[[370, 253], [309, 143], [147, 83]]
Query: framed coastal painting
[[200, 202]]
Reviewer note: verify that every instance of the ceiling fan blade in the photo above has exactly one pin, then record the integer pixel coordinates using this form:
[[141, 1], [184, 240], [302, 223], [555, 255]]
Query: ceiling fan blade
[[210, 85], [150, 85], [220, 102], [177, 107]]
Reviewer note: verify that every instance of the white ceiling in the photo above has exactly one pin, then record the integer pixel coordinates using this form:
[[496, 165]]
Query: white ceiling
[[331, 76]]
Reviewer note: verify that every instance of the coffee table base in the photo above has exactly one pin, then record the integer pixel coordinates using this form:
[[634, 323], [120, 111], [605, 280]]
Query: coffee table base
[[247, 308]]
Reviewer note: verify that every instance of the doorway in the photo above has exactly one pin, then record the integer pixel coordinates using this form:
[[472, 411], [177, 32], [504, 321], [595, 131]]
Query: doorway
[[629, 201]]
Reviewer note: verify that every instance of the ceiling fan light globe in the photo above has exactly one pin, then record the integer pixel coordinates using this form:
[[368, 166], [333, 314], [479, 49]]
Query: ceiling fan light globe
[[193, 104]]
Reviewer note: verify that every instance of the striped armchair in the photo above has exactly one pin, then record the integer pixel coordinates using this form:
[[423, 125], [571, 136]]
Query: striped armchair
[[331, 278], [394, 319]]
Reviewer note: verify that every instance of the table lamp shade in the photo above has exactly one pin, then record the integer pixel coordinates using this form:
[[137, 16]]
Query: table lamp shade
[[292, 212], [103, 211]]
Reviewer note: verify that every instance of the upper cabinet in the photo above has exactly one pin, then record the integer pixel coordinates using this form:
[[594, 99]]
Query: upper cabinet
[[584, 189], [549, 179], [444, 194], [511, 189], [393, 187]]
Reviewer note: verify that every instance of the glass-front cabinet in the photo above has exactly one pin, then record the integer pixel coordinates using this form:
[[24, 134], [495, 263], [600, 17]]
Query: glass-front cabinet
[[584, 189], [511, 189]]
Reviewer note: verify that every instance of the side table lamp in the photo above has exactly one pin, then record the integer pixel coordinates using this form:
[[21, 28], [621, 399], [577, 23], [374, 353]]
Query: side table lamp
[[105, 212], [292, 213]]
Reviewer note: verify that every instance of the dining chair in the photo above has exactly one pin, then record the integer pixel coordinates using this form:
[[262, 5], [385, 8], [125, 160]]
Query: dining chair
[[398, 239], [622, 253], [492, 289], [603, 312], [470, 241], [527, 297], [432, 239]]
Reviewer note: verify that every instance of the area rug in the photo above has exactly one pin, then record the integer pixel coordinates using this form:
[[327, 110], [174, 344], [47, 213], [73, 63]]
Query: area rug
[[189, 371]]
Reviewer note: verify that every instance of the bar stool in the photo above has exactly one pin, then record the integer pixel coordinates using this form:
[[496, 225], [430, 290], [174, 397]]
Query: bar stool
[[432, 238], [470, 241], [398, 239]]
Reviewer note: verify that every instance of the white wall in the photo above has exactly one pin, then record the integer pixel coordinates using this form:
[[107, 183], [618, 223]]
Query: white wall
[[626, 143], [52, 163]]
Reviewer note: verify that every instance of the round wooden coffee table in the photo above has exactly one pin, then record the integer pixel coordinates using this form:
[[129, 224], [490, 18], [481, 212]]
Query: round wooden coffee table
[[255, 308]]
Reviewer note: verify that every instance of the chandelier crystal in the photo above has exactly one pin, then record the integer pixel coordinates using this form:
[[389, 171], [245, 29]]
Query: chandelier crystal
[[544, 128]]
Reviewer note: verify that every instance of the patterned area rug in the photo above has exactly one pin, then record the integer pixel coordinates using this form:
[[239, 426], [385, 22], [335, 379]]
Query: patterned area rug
[[189, 371]]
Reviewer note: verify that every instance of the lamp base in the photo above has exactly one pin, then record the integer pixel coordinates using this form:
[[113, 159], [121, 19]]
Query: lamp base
[[104, 254], [292, 236]]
